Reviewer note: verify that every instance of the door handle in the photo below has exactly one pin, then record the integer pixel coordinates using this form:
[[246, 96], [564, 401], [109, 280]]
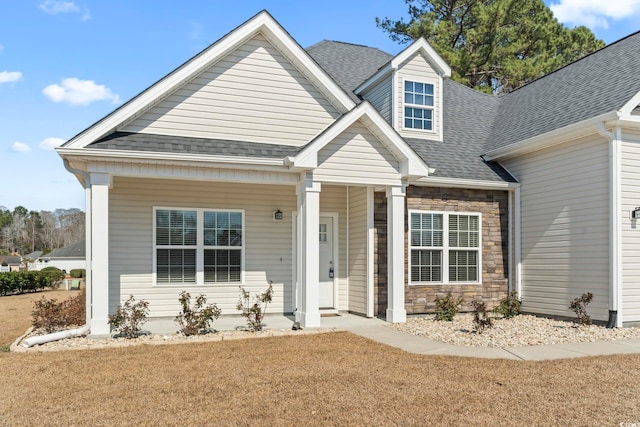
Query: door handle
[[331, 272]]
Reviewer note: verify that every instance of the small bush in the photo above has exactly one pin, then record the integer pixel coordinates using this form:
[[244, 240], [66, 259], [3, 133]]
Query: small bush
[[18, 282], [129, 317], [509, 306], [51, 315], [78, 273], [481, 319], [197, 319], [579, 307], [255, 312], [53, 275], [447, 307]]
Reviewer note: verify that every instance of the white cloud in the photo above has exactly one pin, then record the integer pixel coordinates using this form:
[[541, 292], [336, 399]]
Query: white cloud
[[53, 7], [595, 13], [10, 76], [1, 48], [79, 92], [51, 143], [20, 147], [195, 30]]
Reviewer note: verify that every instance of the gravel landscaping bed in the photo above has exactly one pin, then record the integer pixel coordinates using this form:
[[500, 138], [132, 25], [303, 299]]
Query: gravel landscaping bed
[[86, 343], [519, 331]]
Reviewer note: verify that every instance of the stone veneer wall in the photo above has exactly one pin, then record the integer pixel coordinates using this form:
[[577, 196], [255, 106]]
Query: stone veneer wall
[[494, 208]]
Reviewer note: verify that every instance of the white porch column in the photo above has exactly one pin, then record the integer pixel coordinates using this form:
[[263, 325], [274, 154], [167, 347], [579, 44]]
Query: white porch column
[[308, 310], [396, 312], [100, 253]]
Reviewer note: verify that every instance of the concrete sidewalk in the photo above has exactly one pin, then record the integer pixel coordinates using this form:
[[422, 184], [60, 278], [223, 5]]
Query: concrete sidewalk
[[378, 330]]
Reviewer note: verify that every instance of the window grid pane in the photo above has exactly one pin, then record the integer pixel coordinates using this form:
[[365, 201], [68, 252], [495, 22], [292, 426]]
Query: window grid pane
[[420, 98], [426, 232], [222, 236], [463, 266], [426, 265]]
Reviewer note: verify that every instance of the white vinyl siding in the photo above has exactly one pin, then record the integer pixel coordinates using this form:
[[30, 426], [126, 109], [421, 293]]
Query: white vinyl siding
[[418, 69], [380, 96], [253, 94], [630, 228], [565, 226], [357, 156], [358, 250], [333, 199], [268, 243]]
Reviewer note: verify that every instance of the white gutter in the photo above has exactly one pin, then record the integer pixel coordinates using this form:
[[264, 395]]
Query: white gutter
[[615, 227], [433, 181], [551, 138], [171, 157], [56, 336]]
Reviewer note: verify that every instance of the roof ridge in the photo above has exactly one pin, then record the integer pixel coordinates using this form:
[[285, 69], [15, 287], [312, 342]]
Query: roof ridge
[[347, 43]]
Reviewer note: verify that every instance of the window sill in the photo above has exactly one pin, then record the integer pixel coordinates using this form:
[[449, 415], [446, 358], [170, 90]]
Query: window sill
[[445, 283]]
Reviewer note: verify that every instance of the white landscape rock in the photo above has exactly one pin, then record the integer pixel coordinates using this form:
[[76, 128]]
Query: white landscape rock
[[519, 331]]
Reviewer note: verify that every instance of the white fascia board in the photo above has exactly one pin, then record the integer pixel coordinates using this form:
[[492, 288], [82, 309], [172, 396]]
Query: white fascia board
[[263, 21], [371, 81], [146, 156], [422, 45], [552, 138], [630, 105], [411, 163], [433, 181]]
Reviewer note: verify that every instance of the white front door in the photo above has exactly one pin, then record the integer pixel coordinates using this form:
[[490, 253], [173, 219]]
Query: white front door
[[327, 263]]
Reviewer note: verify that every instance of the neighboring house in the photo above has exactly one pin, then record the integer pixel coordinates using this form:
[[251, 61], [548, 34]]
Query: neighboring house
[[66, 258], [10, 263], [359, 181], [33, 260]]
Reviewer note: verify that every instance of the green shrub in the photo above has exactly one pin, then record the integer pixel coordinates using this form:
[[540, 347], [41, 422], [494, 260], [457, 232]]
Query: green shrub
[[509, 306], [51, 315], [579, 307], [447, 307], [197, 319], [54, 275], [255, 312], [78, 273], [129, 317], [481, 319]]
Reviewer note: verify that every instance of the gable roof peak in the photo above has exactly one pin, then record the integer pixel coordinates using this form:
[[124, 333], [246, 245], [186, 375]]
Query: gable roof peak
[[263, 23]]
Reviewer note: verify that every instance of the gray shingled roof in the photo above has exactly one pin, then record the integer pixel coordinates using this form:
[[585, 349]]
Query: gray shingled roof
[[75, 250], [474, 123], [348, 64], [180, 144], [596, 84], [468, 114], [458, 155]]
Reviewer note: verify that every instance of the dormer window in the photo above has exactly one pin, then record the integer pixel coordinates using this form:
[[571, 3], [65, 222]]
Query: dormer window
[[418, 105]]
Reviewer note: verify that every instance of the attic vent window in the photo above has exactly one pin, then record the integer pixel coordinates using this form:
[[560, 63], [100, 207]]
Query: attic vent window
[[418, 105]]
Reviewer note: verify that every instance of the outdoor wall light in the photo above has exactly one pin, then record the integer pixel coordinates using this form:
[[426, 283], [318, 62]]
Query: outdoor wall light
[[635, 213], [277, 215]]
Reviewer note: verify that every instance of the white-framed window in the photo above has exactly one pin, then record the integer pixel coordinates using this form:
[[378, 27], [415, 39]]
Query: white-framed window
[[445, 247], [419, 104], [198, 246]]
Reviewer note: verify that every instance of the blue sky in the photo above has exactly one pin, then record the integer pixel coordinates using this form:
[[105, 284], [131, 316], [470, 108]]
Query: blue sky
[[66, 64]]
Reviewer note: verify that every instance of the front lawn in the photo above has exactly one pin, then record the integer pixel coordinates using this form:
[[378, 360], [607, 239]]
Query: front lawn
[[324, 379]]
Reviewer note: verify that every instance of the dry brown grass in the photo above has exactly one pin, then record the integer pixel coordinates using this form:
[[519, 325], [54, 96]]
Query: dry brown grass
[[15, 313], [326, 379]]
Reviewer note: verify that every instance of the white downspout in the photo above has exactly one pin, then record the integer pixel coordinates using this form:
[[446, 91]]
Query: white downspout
[[42, 339], [615, 229], [517, 213]]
